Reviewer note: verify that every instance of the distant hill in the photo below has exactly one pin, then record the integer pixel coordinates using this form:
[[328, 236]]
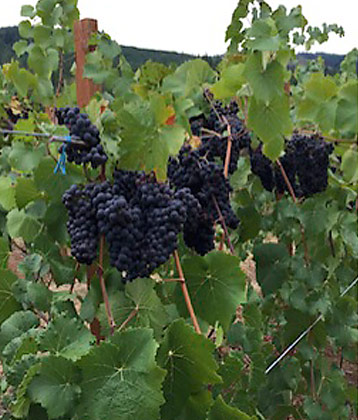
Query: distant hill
[[137, 56]]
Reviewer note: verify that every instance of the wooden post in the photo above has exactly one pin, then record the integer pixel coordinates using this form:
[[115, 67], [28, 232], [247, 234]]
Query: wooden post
[[85, 87]]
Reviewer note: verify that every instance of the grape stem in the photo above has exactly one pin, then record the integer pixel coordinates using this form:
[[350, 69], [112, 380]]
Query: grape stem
[[103, 287], [186, 293], [228, 149], [223, 224], [129, 318], [293, 195], [328, 138]]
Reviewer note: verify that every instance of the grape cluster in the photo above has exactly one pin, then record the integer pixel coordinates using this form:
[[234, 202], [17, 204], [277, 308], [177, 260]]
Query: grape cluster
[[81, 127], [312, 160], [305, 162], [207, 184], [82, 223], [139, 217], [214, 146]]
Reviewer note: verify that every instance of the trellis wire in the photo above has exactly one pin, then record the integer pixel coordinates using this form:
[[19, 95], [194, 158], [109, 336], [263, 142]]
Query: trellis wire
[[60, 139], [302, 335]]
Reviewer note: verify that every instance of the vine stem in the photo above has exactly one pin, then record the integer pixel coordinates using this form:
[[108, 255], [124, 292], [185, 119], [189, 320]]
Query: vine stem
[[293, 195], [103, 287], [186, 292], [223, 224]]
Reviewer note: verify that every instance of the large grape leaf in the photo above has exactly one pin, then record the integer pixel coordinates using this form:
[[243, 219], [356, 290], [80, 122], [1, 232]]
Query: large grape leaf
[[221, 411], [266, 83], [121, 378], [216, 286], [4, 252], [270, 121], [8, 303], [55, 386], [66, 337], [188, 358], [139, 298]]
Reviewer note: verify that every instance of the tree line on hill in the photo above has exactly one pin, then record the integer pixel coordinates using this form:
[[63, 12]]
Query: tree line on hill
[[138, 56]]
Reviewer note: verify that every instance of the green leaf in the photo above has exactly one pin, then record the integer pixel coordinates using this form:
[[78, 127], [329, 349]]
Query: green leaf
[[55, 184], [271, 267], [317, 104], [221, 411], [143, 299], [189, 78], [4, 252], [25, 192], [271, 122], [188, 358], [349, 165], [26, 157], [42, 35], [216, 286], [7, 193], [19, 224], [124, 367], [17, 324], [66, 337], [8, 303], [197, 406], [20, 47], [55, 386], [25, 29], [347, 108], [230, 82], [39, 296], [266, 83], [263, 36], [20, 407], [28, 11]]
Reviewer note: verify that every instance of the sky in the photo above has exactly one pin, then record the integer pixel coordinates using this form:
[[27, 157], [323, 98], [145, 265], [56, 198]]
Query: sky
[[195, 26]]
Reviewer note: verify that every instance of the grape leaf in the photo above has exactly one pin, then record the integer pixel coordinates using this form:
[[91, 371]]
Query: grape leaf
[[55, 386], [17, 324], [141, 298], [188, 358], [221, 411], [216, 285], [66, 337], [347, 108], [271, 121], [7, 193], [25, 192], [8, 303], [20, 407], [266, 83], [121, 378], [20, 224]]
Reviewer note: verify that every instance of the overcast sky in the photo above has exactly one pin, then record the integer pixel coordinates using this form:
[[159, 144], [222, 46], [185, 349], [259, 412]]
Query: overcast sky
[[195, 26]]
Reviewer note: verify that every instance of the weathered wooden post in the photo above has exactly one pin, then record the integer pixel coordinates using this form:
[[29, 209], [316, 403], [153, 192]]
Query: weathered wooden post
[[83, 29]]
